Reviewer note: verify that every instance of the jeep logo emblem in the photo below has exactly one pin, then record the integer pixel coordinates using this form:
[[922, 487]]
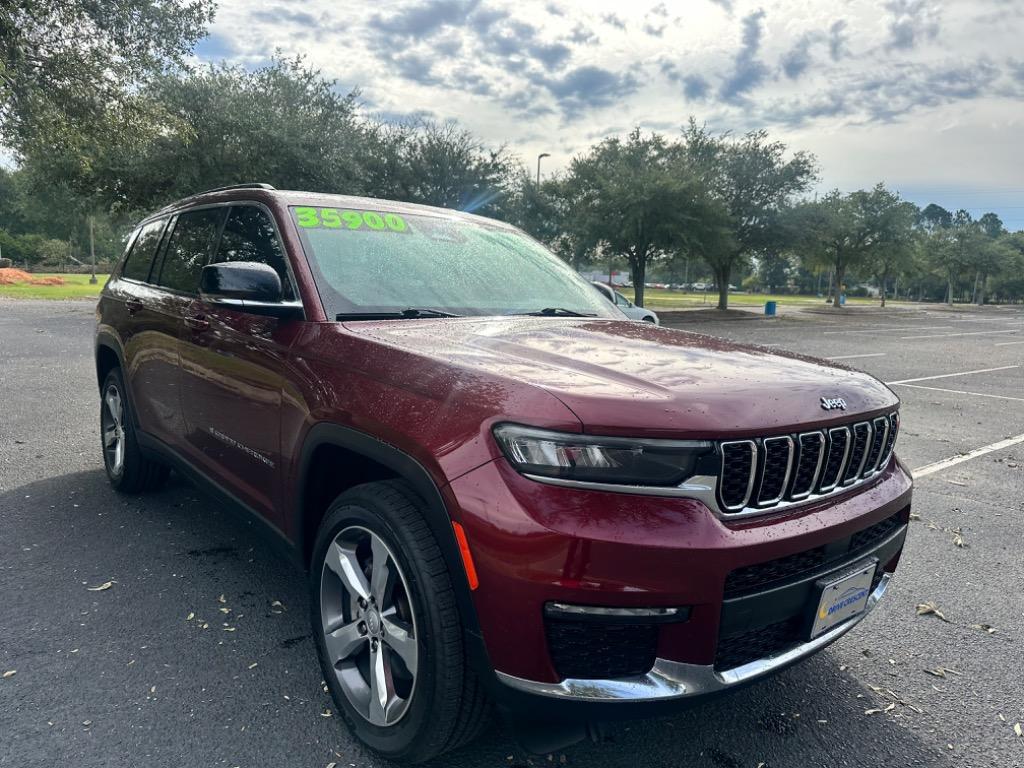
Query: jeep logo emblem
[[831, 403]]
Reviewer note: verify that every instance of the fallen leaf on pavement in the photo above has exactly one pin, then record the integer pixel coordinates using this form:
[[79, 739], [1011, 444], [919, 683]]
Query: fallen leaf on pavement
[[924, 609], [221, 599], [1017, 730], [984, 628], [102, 587], [10, 673], [872, 711], [941, 671]]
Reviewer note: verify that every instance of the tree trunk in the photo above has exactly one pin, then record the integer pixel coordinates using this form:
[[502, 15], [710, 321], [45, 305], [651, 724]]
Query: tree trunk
[[722, 275], [979, 292], [639, 269], [883, 281], [840, 275], [949, 290]]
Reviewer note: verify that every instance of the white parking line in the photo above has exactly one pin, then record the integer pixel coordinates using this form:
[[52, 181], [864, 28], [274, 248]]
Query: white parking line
[[851, 357], [1007, 343], [869, 329], [938, 466], [962, 392], [972, 333], [948, 375]]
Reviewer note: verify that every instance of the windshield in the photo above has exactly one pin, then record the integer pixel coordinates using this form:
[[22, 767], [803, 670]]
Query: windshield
[[367, 262]]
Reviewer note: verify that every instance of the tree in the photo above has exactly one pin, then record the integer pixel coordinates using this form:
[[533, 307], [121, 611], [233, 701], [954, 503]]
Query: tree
[[895, 245], [71, 68], [845, 231], [953, 250], [282, 123], [752, 179], [640, 199], [936, 217], [439, 164]]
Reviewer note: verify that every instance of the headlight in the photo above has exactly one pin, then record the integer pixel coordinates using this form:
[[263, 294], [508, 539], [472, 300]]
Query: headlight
[[621, 461]]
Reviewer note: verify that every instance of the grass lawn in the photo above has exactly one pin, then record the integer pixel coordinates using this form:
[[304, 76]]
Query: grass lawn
[[660, 298], [75, 287]]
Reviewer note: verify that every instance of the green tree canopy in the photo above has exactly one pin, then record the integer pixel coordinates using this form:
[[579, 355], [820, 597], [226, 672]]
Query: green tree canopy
[[69, 69], [640, 199], [752, 179]]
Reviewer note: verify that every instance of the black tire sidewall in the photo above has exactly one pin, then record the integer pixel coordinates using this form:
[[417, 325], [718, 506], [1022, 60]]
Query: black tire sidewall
[[405, 737]]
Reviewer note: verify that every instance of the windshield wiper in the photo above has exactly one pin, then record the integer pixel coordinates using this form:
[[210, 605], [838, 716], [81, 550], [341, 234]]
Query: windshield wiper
[[557, 312], [408, 313]]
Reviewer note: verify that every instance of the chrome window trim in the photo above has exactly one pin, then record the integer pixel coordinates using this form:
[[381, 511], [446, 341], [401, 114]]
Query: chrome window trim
[[842, 463], [677, 680], [817, 468], [759, 502], [750, 480]]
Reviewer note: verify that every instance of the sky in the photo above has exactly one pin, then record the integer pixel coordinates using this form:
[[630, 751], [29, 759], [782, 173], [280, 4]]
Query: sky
[[924, 95]]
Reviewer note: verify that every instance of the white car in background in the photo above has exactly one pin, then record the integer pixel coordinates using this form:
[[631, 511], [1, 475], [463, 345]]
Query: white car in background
[[628, 308]]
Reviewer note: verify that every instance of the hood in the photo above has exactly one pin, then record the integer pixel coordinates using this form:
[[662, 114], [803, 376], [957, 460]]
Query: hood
[[633, 378]]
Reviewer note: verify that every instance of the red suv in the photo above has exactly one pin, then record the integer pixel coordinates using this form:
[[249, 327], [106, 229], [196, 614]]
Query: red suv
[[503, 491]]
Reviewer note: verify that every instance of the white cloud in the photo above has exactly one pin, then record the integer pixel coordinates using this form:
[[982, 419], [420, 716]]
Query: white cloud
[[877, 90]]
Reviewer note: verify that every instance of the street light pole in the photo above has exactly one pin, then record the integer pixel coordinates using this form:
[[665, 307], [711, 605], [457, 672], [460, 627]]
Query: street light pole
[[92, 253], [539, 158]]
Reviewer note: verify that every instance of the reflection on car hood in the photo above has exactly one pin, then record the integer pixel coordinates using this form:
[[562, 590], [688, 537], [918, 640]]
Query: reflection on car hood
[[621, 377]]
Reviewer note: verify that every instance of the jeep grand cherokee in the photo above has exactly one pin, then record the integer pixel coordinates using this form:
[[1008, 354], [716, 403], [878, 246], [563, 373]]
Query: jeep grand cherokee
[[502, 491]]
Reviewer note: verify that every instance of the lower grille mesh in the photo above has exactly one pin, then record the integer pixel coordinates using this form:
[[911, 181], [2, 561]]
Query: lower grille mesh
[[590, 650]]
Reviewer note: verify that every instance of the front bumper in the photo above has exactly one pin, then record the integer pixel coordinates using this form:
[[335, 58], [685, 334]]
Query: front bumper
[[672, 680], [534, 543]]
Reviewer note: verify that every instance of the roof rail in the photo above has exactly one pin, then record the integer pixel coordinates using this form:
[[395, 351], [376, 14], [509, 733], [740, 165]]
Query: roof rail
[[252, 185]]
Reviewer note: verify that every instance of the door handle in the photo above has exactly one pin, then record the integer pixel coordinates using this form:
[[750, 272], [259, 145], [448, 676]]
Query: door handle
[[133, 306], [197, 322]]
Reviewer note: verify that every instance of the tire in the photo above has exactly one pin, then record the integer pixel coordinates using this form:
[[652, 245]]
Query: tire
[[648, 319], [128, 469], [410, 623]]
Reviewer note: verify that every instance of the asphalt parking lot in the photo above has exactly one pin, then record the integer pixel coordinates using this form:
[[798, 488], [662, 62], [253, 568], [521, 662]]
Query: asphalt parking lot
[[122, 676]]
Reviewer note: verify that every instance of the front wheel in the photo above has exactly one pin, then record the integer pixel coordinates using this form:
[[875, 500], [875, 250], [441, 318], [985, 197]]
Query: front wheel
[[128, 469], [388, 630]]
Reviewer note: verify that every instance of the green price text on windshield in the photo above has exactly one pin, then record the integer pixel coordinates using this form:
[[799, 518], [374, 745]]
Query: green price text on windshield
[[334, 218]]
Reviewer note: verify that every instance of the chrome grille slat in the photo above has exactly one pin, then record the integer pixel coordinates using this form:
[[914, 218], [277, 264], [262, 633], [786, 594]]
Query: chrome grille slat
[[861, 437], [776, 486], [834, 477], [733, 453], [802, 485], [880, 433], [890, 440], [778, 471]]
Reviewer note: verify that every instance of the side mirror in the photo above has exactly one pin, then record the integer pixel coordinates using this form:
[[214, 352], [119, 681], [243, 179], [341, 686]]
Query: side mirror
[[246, 286]]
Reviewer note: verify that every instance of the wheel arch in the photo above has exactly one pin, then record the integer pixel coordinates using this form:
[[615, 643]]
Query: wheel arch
[[108, 357], [379, 460]]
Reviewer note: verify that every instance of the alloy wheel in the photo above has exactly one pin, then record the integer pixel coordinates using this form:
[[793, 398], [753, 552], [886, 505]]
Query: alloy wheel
[[112, 426], [368, 625]]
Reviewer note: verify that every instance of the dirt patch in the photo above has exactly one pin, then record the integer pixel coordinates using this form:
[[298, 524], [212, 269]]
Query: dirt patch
[[11, 276]]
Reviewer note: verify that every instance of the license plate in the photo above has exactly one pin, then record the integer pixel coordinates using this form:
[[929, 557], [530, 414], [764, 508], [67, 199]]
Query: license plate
[[842, 598]]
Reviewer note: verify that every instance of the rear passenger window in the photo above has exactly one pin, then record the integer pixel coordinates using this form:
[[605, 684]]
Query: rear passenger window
[[249, 235], [189, 248], [141, 256]]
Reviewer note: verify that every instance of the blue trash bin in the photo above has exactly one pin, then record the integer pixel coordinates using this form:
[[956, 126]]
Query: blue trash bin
[[769, 308]]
